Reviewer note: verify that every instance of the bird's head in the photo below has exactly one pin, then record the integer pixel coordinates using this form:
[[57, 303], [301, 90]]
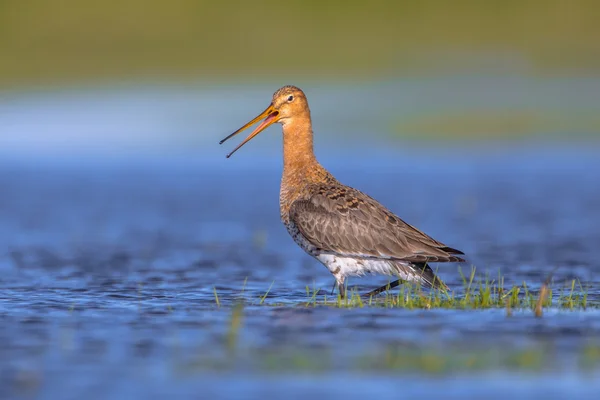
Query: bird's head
[[288, 103]]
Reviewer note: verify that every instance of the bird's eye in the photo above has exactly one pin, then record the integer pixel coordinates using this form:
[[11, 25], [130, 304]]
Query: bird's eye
[[291, 98]]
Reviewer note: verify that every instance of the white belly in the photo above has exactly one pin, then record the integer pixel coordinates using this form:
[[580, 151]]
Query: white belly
[[348, 266]]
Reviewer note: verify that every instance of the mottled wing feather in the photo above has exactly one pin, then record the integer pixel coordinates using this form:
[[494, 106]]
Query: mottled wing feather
[[345, 221]]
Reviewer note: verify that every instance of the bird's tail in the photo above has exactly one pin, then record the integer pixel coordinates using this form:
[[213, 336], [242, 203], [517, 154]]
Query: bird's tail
[[424, 275]]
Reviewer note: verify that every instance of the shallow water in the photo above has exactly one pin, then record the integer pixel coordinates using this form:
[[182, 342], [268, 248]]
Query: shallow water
[[109, 274], [109, 264]]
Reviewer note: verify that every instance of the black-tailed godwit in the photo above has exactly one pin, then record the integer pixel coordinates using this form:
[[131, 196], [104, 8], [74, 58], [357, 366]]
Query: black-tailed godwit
[[349, 232]]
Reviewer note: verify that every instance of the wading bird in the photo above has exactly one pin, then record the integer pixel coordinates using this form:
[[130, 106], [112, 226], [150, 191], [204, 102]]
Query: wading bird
[[349, 232]]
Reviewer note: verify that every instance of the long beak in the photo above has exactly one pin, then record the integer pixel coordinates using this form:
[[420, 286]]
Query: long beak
[[271, 116]]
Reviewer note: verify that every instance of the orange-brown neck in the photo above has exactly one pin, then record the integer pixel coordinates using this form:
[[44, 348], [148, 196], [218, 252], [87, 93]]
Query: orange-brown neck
[[301, 169], [298, 154]]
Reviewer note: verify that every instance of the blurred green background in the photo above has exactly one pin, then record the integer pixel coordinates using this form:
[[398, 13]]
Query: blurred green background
[[445, 69], [48, 42]]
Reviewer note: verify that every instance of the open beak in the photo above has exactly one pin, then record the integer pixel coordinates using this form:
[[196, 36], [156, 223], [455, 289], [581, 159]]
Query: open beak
[[271, 116]]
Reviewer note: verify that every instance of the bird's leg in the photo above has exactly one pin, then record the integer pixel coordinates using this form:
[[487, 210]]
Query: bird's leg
[[342, 290], [333, 287], [339, 278], [384, 288]]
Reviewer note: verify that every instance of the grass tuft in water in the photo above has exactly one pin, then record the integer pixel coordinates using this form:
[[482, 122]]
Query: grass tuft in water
[[264, 297], [234, 326], [216, 297], [483, 293]]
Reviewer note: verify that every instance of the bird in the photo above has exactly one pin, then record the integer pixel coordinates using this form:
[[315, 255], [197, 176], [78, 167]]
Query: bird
[[349, 232]]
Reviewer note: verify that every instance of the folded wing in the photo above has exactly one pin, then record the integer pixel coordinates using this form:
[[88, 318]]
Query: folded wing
[[344, 221]]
